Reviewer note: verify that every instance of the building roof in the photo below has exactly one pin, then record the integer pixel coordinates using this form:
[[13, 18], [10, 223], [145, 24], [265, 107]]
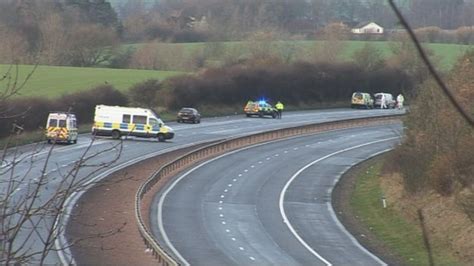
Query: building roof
[[365, 23]]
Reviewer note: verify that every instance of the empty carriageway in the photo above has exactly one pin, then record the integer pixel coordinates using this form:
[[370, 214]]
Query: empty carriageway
[[268, 204]]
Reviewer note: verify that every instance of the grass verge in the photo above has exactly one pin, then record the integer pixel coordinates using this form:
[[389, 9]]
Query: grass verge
[[389, 226]]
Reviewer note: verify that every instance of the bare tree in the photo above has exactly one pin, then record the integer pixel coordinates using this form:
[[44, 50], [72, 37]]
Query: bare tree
[[89, 45], [34, 188], [330, 49]]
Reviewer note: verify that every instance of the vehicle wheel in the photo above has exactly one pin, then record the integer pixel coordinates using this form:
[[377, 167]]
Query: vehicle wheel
[[178, 121], [161, 137], [248, 115], [274, 115], [74, 141], [260, 115], [199, 121], [116, 134]]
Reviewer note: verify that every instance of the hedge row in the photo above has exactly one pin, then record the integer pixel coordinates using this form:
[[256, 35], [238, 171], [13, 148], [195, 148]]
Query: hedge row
[[293, 84]]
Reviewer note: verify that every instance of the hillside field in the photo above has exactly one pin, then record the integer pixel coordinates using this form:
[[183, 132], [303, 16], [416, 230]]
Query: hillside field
[[447, 54], [53, 81]]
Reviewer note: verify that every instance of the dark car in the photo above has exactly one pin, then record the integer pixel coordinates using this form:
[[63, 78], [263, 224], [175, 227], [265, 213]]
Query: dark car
[[189, 115]]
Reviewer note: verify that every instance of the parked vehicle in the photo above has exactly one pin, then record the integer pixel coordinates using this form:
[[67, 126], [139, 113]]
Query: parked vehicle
[[187, 114], [61, 127], [362, 99], [117, 121], [388, 100], [260, 108]]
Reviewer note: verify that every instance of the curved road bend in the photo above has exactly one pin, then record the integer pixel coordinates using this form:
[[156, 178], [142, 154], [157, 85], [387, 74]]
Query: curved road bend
[[227, 211], [64, 157]]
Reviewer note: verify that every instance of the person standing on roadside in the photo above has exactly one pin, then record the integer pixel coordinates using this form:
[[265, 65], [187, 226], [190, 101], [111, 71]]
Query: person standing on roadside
[[382, 102], [279, 106], [400, 100]]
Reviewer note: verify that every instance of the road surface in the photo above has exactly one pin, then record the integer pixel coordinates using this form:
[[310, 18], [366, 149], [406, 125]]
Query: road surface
[[31, 161], [269, 204]]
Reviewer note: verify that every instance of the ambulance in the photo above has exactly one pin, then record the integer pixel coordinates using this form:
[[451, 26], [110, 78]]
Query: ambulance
[[117, 121], [61, 127]]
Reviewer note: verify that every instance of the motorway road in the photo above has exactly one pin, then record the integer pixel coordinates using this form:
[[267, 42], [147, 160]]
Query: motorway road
[[269, 204], [33, 160]]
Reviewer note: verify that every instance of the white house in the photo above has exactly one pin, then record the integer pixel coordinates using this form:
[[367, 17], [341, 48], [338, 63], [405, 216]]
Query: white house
[[367, 28]]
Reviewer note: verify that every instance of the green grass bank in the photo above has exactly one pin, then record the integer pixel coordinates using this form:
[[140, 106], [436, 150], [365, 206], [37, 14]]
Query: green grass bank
[[397, 233]]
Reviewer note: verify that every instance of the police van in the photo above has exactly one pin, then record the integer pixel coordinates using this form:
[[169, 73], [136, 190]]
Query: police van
[[117, 121], [61, 127]]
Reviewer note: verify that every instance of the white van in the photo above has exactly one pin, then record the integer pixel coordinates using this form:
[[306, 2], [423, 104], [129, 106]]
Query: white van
[[117, 121], [388, 99], [61, 127]]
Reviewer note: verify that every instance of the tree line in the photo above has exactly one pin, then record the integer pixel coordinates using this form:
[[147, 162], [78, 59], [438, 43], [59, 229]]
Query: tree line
[[90, 32]]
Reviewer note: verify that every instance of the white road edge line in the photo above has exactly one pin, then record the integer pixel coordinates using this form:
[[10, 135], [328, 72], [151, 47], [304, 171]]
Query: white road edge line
[[285, 188], [341, 226]]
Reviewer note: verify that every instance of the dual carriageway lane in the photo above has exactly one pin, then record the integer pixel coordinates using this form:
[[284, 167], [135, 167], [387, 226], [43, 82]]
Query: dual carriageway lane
[[62, 158]]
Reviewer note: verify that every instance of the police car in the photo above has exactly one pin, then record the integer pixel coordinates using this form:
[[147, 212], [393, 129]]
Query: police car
[[260, 109]]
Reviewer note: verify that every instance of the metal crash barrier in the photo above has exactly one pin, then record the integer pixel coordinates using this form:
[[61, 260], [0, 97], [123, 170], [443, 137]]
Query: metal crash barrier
[[228, 145]]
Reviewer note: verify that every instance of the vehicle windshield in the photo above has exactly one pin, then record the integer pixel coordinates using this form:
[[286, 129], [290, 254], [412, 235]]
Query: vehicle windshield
[[155, 121]]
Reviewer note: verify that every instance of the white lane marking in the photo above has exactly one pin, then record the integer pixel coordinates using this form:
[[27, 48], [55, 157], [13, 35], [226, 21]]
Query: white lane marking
[[241, 248], [233, 239], [246, 170], [295, 149], [220, 208], [227, 230], [252, 166], [163, 196], [285, 152], [221, 215], [260, 162], [225, 190], [287, 185], [222, 196], [229, 185], [252, 258], [240, 175], [235, 180], [268, 158], [276, 155]]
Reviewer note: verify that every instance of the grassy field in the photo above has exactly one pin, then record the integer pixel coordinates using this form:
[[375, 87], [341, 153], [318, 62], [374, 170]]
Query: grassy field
[[52, 81], [398, 234], [447, 53]]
